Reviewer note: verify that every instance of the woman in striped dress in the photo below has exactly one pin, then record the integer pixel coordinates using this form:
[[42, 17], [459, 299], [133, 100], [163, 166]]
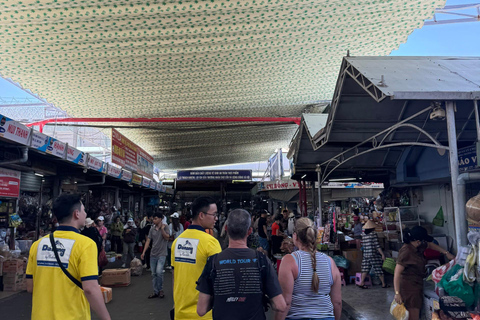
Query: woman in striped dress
[[310, 280]]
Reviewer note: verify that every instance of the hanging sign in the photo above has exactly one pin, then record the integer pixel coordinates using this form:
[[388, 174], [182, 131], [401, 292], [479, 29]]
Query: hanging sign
[[39, 141], [153, 185], [56, 148], [137, 179], [278, 185], [118, 149], [9, 183], [144, 163], [126, 175], [115, 172], [467, 158], [146, 182], [96, 164], [199, 175], [13, 130], [127, 154], [75, 156]]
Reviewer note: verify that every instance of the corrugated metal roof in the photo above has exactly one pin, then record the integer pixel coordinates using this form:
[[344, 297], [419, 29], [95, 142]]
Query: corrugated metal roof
[[413, 78], [216, 58]]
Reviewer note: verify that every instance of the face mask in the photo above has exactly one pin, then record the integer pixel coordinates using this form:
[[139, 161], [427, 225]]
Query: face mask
[[422, 246]]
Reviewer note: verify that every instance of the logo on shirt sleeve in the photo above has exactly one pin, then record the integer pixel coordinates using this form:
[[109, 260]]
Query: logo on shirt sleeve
[[186, 250], [46, 256]]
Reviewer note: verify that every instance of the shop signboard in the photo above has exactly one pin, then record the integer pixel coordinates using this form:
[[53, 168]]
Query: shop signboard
[[126, 175], [169, 190], [153, 185], [114, 171], [39, 141], [13, 130], [351, 185], [127, 154], [214, 175], [467, 158], [137, 179], [9, 183], [146, 182], [278, 185], [159, 186], [76, 156], [56, 148], [97, 165]]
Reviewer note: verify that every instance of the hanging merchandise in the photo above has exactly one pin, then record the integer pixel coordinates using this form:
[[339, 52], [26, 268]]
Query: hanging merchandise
[[473, 209], [454, 285], [439, 219], [14, 220]]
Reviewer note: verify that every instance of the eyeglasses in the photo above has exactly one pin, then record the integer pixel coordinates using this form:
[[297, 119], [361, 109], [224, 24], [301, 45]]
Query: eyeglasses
[[211, 214]]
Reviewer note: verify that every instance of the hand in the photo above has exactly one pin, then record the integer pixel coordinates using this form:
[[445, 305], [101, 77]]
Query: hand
[[449, 256], [383, 257], [398, 299], [163, 226], [142, 256]]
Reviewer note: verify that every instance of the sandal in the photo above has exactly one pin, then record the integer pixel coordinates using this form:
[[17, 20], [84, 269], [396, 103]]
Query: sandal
[[153, 295], [386, 286], [362, 287], [161, 295]]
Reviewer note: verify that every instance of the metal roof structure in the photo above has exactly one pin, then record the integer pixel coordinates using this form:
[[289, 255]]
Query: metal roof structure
[[217, 58], [383, 105]]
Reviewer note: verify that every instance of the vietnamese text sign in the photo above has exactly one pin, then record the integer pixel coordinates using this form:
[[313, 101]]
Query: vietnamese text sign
[[115, 172], [127, 154], [351, 185], [9, 183], [118, 149], [278, 185], [467, 158], [198, 175], [13, 130], [144, 163], [96, 164], [137, 179], [39, 141], [153, 185], [126, 175], [75, 156], [146, 182], [56, 148]]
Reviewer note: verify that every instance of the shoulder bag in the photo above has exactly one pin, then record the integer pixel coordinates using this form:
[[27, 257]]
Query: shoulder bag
[[55, 251]]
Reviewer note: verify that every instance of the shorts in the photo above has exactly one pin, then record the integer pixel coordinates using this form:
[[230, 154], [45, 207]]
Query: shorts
[[264, 243]]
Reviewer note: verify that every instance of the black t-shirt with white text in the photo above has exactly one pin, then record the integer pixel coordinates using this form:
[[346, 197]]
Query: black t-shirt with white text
[[262, 222], [237, 285]]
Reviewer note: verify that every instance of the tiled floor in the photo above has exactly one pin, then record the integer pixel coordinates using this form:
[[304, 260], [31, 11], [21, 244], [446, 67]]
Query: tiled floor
[[367, 304]]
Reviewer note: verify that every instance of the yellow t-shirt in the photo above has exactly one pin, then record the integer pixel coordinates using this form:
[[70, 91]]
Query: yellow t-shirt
[[189, 256], [55, 296]]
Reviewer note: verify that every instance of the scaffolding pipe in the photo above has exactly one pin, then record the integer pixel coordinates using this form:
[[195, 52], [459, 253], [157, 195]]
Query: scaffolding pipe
[[458, 205]]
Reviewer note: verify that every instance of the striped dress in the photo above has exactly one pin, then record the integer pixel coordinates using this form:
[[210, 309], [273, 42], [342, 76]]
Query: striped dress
[[305, 302]]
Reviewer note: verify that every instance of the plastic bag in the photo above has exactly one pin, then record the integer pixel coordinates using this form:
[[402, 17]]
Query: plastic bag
[[136, 267], [470, 270], [438, 273], [454, 285], [341, 262], [398, 311]]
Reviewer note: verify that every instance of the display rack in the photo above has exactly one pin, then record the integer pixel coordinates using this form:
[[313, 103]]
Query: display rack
[[399, 216]]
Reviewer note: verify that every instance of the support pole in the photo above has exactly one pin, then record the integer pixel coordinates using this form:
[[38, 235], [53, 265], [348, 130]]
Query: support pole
[[319, 178], [460, 219], [477, 121]]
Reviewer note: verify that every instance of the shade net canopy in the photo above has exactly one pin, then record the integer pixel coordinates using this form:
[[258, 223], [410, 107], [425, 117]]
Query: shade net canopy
[[218, 58]]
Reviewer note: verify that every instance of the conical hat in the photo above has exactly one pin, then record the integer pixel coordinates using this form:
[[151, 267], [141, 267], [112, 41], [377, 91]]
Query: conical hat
[[370, 225]]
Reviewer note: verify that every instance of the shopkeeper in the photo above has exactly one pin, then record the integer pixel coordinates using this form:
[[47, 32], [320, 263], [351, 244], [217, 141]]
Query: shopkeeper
[[410, 269]]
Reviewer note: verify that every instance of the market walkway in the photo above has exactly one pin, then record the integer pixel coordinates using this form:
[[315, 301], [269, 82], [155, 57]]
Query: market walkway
[[131, 302]]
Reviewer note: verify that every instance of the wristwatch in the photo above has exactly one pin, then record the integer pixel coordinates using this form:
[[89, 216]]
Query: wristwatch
[[396, 292]]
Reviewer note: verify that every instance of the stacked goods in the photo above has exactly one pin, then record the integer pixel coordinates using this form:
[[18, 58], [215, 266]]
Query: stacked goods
[[13, 275]]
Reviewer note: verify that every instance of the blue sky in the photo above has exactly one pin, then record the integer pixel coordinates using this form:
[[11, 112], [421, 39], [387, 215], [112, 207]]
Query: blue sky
[[459, 39]]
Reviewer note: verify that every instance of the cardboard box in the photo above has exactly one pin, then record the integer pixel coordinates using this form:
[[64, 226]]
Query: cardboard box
[[11, 278], [116, 277], [107, 294], [355, 258], [13, 266], [19, 286]]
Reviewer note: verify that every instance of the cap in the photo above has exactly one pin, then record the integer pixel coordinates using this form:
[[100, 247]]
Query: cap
[[175, 215], [291, 215], [370, 225], [101, 218], [419, 233], [88, 221]]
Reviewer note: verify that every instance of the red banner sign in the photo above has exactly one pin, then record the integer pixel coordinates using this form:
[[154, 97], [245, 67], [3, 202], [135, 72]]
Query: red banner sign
[[127, 154], [9, 183]]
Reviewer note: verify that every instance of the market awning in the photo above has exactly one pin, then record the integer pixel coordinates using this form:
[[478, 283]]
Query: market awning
[[383, 105], [118, 58]]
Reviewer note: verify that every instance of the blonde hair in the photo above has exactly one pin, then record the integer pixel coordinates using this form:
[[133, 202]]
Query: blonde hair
[[307, 235]]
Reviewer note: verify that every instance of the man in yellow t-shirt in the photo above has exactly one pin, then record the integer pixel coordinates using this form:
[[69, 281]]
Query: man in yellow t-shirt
[[55, 296], [189, 255]]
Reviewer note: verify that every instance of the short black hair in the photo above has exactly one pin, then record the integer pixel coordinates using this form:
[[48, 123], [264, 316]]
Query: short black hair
[[201, 204], [158, 214], [279, 217], [64, 206]]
